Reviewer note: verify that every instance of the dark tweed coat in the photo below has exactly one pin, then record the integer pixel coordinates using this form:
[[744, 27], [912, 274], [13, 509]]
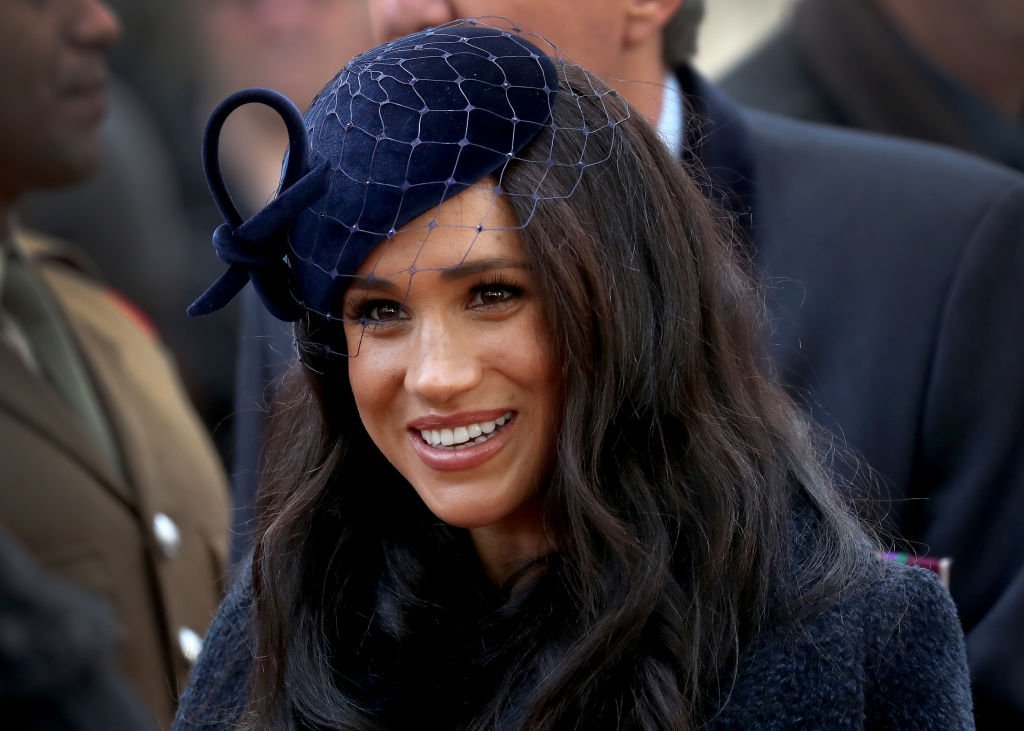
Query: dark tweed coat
[[890, 657]]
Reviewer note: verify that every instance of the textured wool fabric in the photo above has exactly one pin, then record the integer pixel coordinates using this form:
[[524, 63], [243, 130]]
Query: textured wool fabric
[[888, 656], [216, 693]]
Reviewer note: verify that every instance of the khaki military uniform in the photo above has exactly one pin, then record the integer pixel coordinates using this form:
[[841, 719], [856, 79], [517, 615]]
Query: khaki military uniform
[[149, 533]]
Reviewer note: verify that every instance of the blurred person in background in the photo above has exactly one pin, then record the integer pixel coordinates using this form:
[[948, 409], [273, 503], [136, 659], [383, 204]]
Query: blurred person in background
[[109, 480], [129, 219], [291, 46], [287, 45], [136, 219], [892, 271], [945, 71], [56, 653]]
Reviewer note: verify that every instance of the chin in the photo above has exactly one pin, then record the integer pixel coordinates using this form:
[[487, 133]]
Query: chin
[[466, 517], [70, 169]]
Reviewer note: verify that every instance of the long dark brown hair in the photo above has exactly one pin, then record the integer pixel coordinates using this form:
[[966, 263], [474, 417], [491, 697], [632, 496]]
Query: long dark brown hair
[[687, 500]]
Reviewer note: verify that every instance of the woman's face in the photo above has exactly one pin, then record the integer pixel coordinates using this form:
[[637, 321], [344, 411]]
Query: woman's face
[[452, 369]]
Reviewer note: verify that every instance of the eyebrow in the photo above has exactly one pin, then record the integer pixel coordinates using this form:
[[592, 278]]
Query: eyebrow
[[467, 269], [471, 268]]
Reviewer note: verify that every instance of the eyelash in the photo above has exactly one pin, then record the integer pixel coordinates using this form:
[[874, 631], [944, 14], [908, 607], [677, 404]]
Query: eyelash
[[496, 282], [360, 310]]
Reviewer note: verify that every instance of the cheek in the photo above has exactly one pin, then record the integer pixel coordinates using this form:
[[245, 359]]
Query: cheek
[[391, 19], [539, 367], [527, 358], [489, 8], [536, 372], [355, 336], [375, 376], [364, 373], [547, 374], [371, 402]]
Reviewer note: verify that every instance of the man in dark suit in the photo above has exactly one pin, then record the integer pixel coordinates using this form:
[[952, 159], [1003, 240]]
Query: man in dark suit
[[107, 478], [892, 271], [943, 71]]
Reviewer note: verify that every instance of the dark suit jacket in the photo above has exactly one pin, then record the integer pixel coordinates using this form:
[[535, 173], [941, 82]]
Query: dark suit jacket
[[92, 524], [843, 62], [893, 272]]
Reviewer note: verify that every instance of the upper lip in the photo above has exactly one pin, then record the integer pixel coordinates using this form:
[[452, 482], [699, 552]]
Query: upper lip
[[459, 418]]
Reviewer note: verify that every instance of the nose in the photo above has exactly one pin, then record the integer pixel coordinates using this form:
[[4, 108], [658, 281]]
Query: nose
[[392, 19], [95, 25], [442, 366]]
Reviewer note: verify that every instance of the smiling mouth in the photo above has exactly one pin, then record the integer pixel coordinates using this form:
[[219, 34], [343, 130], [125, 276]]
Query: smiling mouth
[[462, 437]]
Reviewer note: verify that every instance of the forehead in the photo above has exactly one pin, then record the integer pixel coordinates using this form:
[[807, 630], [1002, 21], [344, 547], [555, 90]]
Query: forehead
[[477, 224]]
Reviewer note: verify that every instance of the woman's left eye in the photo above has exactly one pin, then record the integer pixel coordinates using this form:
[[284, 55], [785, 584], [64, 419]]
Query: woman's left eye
[[494, 294]]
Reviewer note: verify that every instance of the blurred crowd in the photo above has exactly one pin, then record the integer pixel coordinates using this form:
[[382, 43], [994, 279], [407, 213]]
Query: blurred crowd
[[168, 495]]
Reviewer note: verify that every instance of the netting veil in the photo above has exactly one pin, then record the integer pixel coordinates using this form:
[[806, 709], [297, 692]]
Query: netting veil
[[400, 130]]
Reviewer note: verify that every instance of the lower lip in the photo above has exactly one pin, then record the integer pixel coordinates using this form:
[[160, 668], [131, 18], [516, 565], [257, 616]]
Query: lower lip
[[92, 103], [450, 460]]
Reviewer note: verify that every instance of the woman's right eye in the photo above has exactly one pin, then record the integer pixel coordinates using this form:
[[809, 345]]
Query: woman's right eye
[[379, 312]]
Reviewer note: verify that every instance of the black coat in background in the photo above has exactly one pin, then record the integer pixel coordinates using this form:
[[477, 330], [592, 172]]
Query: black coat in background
[[843, 62], [57, 654], [894, 273]]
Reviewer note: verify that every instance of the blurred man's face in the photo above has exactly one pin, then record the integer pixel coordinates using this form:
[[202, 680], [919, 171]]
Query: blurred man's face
[[53, 84], [292, 46], [590, 32], [1004, 17]]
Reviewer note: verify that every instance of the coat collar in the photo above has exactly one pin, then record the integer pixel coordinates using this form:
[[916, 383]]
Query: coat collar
[[718, 143], [28, 399]]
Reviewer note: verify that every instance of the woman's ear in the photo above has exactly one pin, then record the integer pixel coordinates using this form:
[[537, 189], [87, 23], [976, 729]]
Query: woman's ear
[[647, 18]]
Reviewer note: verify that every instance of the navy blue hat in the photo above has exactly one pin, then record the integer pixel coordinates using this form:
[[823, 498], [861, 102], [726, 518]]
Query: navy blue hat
[[399, 130]]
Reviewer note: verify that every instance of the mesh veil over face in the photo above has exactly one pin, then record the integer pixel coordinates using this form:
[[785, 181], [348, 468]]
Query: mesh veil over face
[[400, 130]]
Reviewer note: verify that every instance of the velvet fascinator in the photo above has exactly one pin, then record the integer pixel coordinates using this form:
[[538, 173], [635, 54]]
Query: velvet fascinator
[[402, 128]]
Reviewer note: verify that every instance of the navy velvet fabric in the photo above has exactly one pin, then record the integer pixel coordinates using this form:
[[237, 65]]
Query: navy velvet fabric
[[402, 128]]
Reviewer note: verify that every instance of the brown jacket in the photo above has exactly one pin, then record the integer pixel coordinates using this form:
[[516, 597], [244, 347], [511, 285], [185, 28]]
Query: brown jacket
[[150, 537]]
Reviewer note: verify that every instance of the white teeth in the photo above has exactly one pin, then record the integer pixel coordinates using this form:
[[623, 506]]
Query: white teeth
[[464, 436]]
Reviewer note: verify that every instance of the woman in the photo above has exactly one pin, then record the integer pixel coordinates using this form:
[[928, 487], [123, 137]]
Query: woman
[[529, 473]]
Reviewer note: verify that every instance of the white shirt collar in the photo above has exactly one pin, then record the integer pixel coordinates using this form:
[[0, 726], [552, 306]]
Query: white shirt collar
[[670, 119]]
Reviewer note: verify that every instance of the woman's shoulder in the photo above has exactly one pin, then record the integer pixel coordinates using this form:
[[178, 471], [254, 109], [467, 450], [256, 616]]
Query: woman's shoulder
[[888, 653], [915, 650], [218, 684]]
